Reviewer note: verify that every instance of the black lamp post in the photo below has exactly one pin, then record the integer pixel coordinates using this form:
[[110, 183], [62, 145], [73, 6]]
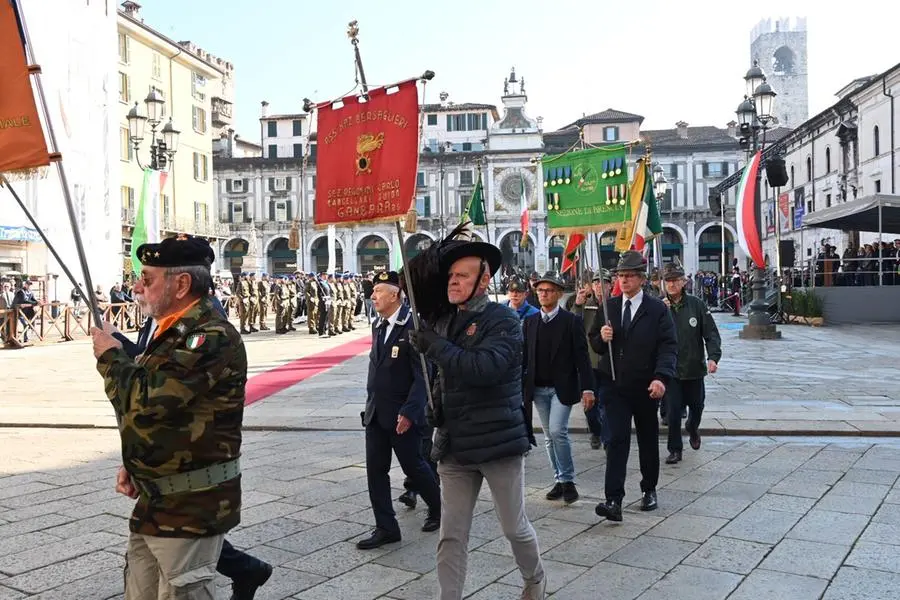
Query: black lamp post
[[162, 147], [660, 188], [754, 115]]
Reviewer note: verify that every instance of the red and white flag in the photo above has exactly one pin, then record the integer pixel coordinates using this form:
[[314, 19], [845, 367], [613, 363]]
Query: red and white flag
[[748, 233], [524, 218]]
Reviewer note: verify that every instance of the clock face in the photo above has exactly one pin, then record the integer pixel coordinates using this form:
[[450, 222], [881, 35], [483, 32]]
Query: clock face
[[511, 189]]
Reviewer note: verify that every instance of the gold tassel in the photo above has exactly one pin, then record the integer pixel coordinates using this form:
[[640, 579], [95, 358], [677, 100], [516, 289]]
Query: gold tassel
[[412, 218]]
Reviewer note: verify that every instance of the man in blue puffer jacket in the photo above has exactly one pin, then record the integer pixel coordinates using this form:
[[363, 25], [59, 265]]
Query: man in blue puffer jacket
[[481, 431]]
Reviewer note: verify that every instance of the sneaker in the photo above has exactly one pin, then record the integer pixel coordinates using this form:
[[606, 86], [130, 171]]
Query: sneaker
[[595, 442], [570, 492], [556, 492], [535, 591]]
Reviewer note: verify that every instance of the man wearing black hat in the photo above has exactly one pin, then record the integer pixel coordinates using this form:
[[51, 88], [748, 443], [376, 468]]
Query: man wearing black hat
[[184, 472], [532, 295], [557, 377], [644, 349], [696, 329], [517, 292], [395, 415], [481, 433]]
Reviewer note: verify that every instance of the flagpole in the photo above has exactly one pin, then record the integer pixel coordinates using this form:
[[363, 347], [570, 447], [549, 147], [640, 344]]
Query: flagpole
[[352, 32], [487, 228], [35, 69], [612, 361]]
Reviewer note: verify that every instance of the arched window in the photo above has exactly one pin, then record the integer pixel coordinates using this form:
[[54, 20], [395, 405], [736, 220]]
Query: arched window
[[828, 159], [808, 168], [876, 143]]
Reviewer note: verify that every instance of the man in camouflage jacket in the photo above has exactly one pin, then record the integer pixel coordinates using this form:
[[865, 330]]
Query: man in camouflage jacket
[[180, 407]]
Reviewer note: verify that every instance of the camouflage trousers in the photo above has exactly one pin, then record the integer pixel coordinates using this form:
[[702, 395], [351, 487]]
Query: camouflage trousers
[[312, 314], [263, 313], [175, 568], [253, 311]]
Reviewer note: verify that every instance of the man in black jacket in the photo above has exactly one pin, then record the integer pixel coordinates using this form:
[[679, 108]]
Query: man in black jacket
[[481, 432], [644, 349], [696, 331], [395, 415], [557, 377]]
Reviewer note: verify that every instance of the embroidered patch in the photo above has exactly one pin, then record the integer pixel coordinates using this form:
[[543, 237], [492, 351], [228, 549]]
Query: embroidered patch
[[195, 341], [471, 330], [693, 321]]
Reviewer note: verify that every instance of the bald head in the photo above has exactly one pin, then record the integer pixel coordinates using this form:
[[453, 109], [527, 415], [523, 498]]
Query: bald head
[[463, 278]]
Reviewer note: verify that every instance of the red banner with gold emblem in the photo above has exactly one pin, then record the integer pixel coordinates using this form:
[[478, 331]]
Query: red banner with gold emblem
[[22, 143], [367, 156]]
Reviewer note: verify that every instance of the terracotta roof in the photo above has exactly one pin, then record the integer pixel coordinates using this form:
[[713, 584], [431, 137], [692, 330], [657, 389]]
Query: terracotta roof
[[610, 115], [457, 107]]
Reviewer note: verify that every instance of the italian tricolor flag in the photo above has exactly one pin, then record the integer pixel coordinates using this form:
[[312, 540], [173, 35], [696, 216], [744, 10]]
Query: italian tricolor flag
[[748, 233], [146, 219], [647, 222]]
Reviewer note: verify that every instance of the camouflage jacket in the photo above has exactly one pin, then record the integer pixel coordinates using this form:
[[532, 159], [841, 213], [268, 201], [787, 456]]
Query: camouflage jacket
[[180, 405]]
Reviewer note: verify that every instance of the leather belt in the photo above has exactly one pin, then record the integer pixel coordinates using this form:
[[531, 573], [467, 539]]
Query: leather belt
[[190, 481]]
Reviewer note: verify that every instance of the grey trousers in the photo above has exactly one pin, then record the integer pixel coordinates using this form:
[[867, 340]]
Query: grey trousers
[[160, 568], [460, 485]]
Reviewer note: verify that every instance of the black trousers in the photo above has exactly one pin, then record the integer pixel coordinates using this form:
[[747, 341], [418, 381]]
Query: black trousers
[[380, 443], [622, 405], [690, 393], [236, 565], [322, 325]]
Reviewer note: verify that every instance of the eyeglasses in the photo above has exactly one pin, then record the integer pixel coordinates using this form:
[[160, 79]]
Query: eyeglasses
[[545, 290]]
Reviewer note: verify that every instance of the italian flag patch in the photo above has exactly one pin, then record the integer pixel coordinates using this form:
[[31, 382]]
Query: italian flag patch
[[195, 341]]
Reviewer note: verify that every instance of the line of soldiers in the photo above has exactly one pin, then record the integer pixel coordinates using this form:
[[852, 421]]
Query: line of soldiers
[[329, 302]]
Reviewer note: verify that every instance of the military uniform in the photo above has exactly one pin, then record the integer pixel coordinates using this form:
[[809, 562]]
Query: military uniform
[[179, 406], [326, 308], [278, 304], [312, 304], [243, 294], [350, 302], [336, 314], [291, 306], [262, 289], [254, 302]]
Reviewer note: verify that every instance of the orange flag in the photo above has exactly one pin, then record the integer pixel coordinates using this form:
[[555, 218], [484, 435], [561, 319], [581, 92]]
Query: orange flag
[[22, 143]]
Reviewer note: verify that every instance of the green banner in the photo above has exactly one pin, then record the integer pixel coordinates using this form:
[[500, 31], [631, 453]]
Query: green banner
[[587, 190]]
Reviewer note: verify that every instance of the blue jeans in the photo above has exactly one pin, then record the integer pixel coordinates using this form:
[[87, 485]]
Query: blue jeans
[[554, 416]]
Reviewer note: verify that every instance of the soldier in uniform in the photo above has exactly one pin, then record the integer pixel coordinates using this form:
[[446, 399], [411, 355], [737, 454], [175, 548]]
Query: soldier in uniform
[[182, 466], [243, 294], [312, 303], [350, 300], [278, 285], [336, 314], [291, 306], [263, 288], [300, 280], [254, 302], [326, 307]]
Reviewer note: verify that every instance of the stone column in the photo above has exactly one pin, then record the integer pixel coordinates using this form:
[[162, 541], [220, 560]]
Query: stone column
[[395, 247], [541, 263], [691, 253]]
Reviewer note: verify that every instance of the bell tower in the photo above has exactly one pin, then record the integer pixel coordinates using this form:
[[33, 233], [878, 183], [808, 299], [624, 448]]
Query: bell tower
[[780, 47]]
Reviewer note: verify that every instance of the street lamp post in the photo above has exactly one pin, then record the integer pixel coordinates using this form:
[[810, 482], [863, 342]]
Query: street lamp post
[[755, 113], [163, 145], [660, 188]]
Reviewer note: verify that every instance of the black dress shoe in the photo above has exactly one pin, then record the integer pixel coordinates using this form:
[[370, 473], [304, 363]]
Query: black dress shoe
[[379, 538], [695, 440], [556, 492], [408, 498], [648, 501], [570, 492], [432, 524], [245, 588], [611, 509], [595, 442], [673, 458]]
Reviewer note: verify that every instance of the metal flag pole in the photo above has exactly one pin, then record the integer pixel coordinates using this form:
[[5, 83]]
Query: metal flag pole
[[5, 182], [353, 32], [612, 362], [35, 70], [487, 228]]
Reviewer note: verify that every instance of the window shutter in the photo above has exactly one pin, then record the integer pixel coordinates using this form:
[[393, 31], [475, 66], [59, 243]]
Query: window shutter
[[287, 183], [228, 186], [246, 185], [616, 130], [706, 169], [272, 210], [449, 122], [287, 206], [231, 212], [271, 184], [725, 168]]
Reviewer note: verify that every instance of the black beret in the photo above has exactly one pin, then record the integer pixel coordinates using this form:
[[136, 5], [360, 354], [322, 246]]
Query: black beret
[[388, 277], [180, 251]]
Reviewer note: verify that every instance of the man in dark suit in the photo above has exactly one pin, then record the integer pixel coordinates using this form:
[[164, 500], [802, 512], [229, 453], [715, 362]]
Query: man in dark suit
[[395, 415], [641, 333], [557, 377]]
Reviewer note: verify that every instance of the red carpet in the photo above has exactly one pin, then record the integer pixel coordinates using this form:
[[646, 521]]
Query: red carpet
[[260, 387]]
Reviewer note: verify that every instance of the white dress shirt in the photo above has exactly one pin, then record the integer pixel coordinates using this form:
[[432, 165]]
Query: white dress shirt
[[635, 304], [549, 316], [391, 321]]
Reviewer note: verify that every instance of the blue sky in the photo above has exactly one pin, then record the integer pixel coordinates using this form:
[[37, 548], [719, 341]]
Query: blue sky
[[665, 60]]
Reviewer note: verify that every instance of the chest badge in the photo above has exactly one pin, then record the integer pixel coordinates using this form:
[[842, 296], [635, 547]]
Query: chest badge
[[395, 352], [195, 341], [471, 330], [693, 321]]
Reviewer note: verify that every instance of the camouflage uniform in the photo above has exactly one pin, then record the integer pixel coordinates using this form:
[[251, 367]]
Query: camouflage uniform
[[278, 304], [254, 302], [333, 306], [263, 291], [291, 306], [312, 304], [243, 303], [350, 294], [180, 407]]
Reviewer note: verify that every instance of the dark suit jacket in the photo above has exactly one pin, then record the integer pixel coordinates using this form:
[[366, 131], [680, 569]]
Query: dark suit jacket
[[395, 385], [571, 361], [133, 349], [647, 351]]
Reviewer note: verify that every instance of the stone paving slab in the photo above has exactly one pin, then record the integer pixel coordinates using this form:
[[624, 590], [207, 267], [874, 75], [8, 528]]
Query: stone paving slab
[[770, 538]]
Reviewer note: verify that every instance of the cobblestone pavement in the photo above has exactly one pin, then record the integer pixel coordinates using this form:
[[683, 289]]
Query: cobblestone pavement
[[743, 518]]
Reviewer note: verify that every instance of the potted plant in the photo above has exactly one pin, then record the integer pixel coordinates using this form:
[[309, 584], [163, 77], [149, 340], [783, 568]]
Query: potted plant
[[804, 306]]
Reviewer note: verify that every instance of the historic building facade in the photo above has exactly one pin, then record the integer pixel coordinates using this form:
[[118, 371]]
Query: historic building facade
[[780, 49]]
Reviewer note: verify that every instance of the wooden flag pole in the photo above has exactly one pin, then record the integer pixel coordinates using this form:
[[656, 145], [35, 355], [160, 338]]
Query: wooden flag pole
[[35, 70], [353, 32]]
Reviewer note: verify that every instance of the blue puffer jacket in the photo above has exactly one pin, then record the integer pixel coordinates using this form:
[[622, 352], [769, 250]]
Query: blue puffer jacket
[[478, 409]]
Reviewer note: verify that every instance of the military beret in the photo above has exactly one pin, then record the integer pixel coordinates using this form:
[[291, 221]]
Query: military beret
[[180, 251], [244, 274], [252, 274], [388, 278], [264, 274], [516, 284]]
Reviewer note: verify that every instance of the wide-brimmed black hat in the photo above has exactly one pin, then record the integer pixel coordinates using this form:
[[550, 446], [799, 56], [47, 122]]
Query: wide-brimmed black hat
[[482, 250], [180, 251], [602, 274], [672, 271], [631, 260], [550, 277], [517, 284]]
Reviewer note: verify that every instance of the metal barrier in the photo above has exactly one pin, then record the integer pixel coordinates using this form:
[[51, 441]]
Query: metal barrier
[[62, 322], [846, 272]]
